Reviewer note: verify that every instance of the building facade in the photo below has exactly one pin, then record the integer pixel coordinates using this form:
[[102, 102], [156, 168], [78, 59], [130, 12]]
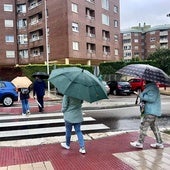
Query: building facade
[[59, 31], [140, 41]]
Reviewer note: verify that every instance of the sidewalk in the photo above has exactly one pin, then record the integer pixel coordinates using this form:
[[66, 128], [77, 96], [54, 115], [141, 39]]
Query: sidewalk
[[105, 151]]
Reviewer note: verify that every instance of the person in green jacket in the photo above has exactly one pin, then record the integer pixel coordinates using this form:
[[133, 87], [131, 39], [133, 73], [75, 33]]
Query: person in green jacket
[[152, 110], [72, 110]]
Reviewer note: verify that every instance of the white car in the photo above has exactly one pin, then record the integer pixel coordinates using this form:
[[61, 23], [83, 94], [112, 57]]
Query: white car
[[106, 87]]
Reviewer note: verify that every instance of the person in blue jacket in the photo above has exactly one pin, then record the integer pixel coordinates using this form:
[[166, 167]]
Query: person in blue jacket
[[152, 110], [71, 107], [23, 95], [39, 92]]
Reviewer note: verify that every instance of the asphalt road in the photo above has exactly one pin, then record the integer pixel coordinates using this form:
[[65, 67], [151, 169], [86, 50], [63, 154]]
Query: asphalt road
[[128, 118]]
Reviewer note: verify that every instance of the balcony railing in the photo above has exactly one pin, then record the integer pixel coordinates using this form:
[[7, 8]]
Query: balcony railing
[[36, 39], [34, 5]]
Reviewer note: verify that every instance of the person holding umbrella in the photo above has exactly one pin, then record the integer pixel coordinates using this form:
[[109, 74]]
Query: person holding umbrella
[[71, 107], [152, 110], [39, 92], [23, 95]]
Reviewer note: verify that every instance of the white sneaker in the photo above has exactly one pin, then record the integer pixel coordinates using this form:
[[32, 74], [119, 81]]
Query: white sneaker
[[82, 150], [157, 145], [64, 145], [28, 112], [23, 114], [136, 144]]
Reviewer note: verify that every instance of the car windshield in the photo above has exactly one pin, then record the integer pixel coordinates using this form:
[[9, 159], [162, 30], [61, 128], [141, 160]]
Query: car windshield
[[123, 83]]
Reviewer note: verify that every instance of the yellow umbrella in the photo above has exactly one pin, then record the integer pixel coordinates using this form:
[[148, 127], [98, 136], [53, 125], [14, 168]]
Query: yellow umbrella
[[21, 82]]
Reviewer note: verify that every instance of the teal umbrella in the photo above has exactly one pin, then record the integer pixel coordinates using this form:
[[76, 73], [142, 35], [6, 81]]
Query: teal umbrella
[[78, 83]]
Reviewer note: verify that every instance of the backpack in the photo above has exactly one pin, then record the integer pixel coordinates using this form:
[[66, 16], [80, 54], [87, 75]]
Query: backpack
[[24, 90]]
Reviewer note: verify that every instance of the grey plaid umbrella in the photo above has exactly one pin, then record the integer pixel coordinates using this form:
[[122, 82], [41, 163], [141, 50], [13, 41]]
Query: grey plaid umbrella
[[146, 72]]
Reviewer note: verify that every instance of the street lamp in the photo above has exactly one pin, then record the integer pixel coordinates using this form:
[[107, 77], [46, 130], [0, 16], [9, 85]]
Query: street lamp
[[46, 38]]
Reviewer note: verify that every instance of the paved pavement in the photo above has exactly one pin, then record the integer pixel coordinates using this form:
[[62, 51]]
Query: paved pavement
[[108, 150]]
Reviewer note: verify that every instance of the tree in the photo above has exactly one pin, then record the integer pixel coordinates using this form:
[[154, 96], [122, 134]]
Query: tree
[[162, 59]]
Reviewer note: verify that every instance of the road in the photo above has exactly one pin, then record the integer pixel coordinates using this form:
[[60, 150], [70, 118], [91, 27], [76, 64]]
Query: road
[[128, 118]]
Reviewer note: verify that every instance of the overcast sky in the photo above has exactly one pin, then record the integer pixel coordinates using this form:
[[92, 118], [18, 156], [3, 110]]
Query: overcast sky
[[152, 12]]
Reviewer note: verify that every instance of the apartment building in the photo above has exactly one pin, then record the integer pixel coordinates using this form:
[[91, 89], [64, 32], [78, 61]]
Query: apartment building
[[140, 41], [59, 31]]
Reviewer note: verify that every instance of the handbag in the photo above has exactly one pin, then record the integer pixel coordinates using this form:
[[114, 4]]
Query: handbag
[[142, 107]]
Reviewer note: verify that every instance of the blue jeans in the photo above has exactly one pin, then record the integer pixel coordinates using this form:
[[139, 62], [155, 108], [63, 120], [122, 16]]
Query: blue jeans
[[78, 133], [25, 106]]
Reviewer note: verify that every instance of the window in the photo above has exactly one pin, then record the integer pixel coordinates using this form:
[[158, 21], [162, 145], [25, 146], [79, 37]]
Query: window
[[9, 23], [105, 4], [152, 32], [23, 53], [136, 47], [22, 23], [106, 35], [152, 39], [35, 52], [9, 38], [105, 19], [116, 38], [116, 23], [22, 39], [116, 52], [136, 40], [8, 7], [152, 46], [10, 54], [75, 46], [21, 8], [115, 9], [75, 27], [74, 7]]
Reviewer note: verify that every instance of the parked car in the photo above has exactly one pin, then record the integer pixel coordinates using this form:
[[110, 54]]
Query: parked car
[[106, 87], [137, 84], [8, 93], [119, 87]]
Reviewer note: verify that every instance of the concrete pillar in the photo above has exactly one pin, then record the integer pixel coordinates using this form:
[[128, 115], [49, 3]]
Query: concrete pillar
[[89, 62], [66, 60]]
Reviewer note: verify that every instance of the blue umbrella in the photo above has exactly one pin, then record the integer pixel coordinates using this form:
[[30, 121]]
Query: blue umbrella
[[78, 83], [146, 72]]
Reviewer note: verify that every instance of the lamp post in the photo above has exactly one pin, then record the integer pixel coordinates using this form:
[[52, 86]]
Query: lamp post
[[46, 38]]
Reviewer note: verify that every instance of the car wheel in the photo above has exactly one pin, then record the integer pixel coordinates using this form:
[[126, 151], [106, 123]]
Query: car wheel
[[115, 92], [7, 101]]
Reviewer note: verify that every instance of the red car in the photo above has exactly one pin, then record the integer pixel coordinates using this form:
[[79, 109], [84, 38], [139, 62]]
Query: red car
[[137, 84]]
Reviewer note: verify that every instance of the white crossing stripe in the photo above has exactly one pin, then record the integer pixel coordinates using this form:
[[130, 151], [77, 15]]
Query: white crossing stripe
[[38, 122], [42, 115], [38, 131]]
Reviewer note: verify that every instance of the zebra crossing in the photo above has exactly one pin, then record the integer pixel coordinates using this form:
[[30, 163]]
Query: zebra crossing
[[15, 127]]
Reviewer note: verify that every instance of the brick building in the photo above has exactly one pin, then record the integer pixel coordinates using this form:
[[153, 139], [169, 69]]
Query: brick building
[[60, 31], [140, 41]]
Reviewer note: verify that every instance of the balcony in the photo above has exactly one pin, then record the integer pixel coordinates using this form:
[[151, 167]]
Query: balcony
[[91, 35], [163, 40], [91, 1], [106, 38], [34, 5], [163, 33]]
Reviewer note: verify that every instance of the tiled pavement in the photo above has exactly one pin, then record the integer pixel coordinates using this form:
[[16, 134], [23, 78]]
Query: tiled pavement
[[109, 152]]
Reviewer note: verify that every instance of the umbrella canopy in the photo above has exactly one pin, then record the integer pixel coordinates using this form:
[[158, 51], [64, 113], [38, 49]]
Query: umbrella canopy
[[21, 82], [78, 83], [146, 72], [41, 75]]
